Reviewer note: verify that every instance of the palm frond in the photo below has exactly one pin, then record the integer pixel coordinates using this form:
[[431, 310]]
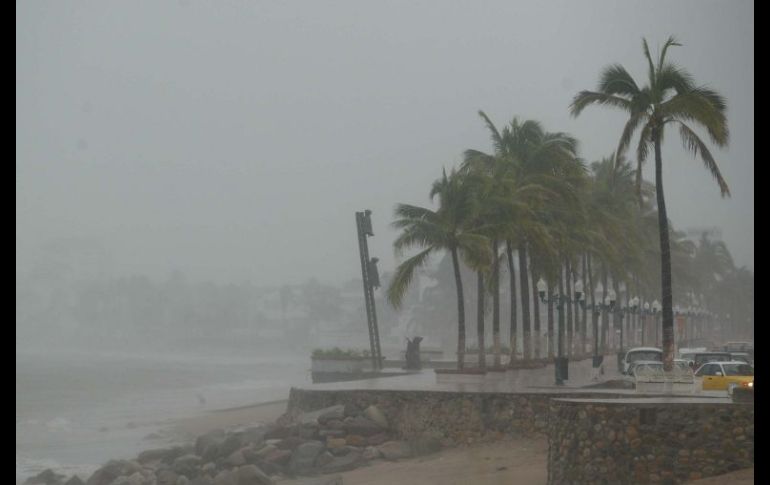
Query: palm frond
[[703, 106], [650, 65], [693, 143], [616, 80], [673, 77], [585, 98], [628, 133], [497, 140], [403, 277], [671, 41]]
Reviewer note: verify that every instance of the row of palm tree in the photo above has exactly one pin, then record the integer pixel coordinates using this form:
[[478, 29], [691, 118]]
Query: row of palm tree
[[531, 204]]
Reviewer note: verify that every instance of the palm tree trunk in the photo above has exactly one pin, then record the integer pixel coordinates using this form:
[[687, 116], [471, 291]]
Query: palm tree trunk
[[594, 314], [480, 321], [535, 309], [512, 279], [605, 318], [524, 280], [551, 338], [584, 333], [665, 261], [495, 303], [567, 305], [560, 308], [617, 317], [460, 312]]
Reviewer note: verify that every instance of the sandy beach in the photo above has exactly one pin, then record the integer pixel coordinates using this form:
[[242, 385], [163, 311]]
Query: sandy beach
[[192, 427]]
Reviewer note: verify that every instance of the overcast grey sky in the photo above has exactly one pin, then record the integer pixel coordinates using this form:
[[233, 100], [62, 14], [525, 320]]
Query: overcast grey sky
[[234, 140]]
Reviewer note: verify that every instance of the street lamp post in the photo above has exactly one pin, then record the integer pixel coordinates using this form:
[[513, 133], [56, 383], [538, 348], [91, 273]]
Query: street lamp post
[[561, 364]]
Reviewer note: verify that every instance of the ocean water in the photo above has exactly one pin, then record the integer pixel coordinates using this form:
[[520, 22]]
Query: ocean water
[[76, 410]]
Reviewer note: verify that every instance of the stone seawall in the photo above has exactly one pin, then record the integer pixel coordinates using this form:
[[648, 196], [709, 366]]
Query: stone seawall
[[630, 441], [461, 417]]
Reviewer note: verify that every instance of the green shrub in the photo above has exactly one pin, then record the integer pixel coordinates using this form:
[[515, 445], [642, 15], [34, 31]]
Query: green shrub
[[338, 353]]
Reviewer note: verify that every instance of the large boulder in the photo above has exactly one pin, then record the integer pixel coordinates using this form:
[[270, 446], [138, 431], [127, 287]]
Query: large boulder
[[278, 457], [188, 465], [46, 477], [277, 432], [427, 442], [320, 416], [226, 477], [236, 458], [343, 463], [377, 439], [265, 450], [75, 480], [304, 456], [112, 470], [208, 443], [202, 480], [254, 435], [395, 450], [290, 443], [362, 426], [233, 442], [371, 453], [374, 413], [158, 454], [252, 475], [166, 477]]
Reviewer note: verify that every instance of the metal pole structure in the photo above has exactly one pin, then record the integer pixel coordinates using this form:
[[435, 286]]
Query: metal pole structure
[[363, 250]]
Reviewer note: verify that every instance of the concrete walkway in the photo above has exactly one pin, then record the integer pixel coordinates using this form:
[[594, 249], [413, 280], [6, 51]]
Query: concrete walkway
[[524, 380]]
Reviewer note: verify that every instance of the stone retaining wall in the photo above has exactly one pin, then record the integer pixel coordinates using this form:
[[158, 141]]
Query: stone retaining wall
[[462, 417], [627, 441]]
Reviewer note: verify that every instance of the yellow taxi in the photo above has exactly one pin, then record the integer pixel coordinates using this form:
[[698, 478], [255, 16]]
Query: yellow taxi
[[726, 376]]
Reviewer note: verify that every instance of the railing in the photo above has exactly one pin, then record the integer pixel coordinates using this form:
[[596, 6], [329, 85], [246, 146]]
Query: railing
[[679, 379]]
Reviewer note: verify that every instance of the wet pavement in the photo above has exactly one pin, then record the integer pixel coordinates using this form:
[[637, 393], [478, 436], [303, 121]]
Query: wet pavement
[[581, 374]]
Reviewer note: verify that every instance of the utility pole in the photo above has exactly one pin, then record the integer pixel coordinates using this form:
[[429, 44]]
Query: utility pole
[[371, 280]]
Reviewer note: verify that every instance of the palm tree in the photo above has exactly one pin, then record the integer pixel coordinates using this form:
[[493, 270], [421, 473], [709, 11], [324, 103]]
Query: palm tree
[[533, 158], [449, 228], [670, 98]]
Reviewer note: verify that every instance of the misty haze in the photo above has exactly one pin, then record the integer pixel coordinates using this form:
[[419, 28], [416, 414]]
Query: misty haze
[[253, 238]]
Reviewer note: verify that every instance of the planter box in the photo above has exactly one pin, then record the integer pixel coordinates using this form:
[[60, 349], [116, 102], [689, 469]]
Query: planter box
[[346, 366], [426, 355], [472, 358], [528, 364], [465, 376]]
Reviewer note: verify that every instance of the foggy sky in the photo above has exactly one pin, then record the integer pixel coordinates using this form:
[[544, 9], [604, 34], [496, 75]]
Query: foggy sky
[[235, 140]]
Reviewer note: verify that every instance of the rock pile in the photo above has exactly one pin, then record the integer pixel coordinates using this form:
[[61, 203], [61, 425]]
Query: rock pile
[[326, 441]]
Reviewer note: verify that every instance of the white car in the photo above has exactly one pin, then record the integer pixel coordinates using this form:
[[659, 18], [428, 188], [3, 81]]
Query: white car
[[641, 353]]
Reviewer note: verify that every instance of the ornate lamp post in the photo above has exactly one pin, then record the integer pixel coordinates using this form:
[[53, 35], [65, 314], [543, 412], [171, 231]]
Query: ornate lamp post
[[561, 364]]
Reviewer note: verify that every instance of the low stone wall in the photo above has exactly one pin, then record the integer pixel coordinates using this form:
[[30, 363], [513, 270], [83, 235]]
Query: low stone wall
[[462, 417], [630, 441]]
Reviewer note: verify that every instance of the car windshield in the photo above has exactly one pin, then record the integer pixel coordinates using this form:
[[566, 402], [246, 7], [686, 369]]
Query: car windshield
[[738, 369], [645, 355]]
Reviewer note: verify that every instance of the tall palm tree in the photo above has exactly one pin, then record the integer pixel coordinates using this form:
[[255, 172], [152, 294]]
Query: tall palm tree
[[533, 157], [449, 228], [670, 98]]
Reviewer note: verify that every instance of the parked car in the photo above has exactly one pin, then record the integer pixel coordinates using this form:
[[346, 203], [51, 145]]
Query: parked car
[[701, 358], [740, 346], [742, 357], [726, 376], [641, 353]]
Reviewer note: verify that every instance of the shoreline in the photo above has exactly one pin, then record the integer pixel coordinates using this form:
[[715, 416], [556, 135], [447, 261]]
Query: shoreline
[[189, 428]]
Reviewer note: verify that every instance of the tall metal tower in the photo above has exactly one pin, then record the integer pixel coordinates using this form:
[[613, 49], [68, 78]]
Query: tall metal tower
[[371, 279]]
